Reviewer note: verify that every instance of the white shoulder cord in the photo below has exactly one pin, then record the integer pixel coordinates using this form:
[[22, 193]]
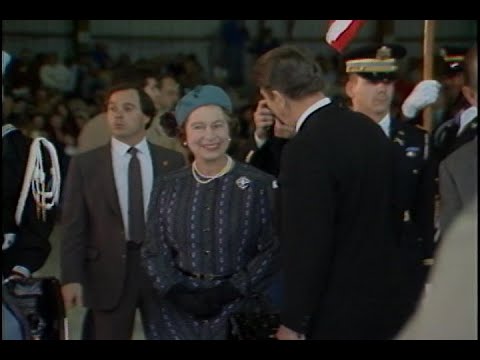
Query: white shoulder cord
[[35, 178]]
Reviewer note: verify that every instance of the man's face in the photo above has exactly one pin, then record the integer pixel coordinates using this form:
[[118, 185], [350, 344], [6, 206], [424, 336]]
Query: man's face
[[452, 85], [471, 92], [278, 105], [370, 97], [125, 117], [169, 94], [152, 89]]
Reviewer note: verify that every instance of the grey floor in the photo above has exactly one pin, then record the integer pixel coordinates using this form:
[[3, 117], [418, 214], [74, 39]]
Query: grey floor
[[75, 316]]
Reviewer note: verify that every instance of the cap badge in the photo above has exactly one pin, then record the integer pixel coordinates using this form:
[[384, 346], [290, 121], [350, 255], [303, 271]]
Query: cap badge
[[384, 53]]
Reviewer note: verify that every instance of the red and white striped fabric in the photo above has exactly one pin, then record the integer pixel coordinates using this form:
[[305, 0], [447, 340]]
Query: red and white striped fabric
[[341, 32]]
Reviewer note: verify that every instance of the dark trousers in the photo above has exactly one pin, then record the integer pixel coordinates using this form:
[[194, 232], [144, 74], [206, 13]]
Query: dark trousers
[[118, 323]]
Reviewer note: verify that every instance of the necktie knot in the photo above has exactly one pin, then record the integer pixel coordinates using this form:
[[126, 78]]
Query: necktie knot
[[133, 151]]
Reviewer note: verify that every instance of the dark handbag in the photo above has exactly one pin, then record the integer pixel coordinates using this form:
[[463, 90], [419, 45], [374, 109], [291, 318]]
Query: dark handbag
[[39, 301], [256, 320]]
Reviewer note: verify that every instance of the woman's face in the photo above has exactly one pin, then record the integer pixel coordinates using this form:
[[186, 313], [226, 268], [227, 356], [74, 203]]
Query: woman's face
[[207, 133]]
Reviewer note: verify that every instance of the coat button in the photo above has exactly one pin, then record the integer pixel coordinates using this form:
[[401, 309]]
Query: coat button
[[206, 230], [415, 171], [207, 252]]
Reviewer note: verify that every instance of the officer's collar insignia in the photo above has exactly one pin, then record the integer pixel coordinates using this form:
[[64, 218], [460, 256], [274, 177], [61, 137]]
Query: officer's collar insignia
[[243, 182], [398, 141], [275, 184]]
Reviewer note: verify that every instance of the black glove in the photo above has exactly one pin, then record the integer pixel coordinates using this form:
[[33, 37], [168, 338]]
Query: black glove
[[220, 294], [193, 302]]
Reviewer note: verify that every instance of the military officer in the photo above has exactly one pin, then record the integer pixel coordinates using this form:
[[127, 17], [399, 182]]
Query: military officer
[[372, 71]]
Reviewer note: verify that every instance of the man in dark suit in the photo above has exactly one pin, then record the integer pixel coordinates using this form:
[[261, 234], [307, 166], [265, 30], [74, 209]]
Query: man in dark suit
[[338, 252], [372, 71], [106, 197]]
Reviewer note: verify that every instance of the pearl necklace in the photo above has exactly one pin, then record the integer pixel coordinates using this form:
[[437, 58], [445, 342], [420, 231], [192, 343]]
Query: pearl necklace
[[196, 173]]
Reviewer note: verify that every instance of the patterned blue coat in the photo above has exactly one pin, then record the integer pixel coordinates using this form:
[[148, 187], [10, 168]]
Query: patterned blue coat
[[224, 227]]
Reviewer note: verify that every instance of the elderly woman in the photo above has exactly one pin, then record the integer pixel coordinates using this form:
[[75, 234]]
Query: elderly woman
[[210, 241]]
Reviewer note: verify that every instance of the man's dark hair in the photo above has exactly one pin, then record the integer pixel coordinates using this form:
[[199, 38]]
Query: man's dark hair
[[289, 70], [146, 104]]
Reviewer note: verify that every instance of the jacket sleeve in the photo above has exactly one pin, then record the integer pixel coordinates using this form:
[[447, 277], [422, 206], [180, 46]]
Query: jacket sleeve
[[74, 226], [449, 196]]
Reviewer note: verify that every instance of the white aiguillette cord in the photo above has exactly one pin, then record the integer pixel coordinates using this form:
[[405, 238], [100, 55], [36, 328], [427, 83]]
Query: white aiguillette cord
[[45, 196]]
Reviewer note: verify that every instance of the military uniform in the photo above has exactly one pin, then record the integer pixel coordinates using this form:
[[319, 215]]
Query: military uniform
[[31, 245], [415, 188]]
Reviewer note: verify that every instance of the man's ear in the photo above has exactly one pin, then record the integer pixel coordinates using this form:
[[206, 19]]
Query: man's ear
[[279, 99], [469, 94], [349, 86]]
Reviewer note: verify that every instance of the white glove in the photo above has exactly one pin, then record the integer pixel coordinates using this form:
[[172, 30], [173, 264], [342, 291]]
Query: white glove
[[424, 94], [8, 240]]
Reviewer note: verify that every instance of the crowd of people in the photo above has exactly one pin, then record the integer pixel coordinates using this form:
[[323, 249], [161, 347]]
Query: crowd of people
[[183, 198]]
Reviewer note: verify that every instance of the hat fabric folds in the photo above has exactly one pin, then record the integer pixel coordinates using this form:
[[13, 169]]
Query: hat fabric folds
[[201, 96]]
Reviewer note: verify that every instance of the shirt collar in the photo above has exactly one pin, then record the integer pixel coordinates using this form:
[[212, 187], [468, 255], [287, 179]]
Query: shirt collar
[[385, 124], [467, 116], [314, 107], [121, 148]]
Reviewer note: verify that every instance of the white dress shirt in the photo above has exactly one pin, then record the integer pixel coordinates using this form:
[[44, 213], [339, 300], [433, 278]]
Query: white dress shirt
[[120, 160], [385, 124], [310, 110]]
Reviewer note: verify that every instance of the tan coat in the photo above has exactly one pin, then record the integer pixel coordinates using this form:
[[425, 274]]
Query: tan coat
[[449, 310], [156, 135], [94, 134]]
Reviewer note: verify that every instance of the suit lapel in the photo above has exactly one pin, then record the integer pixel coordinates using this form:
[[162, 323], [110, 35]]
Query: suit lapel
[[159, 162], [109, 180]]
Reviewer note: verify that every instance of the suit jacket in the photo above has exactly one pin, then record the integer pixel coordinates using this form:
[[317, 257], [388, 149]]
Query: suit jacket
[[339, 254], [31, 247], [266, 158], [93, 248], [458, 181], [447, 140]]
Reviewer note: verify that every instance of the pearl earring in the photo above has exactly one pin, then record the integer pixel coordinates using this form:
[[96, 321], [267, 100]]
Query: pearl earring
[[184, 143]]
